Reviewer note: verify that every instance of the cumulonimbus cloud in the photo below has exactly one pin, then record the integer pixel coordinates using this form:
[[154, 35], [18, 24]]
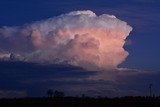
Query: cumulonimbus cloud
[[79, 38]]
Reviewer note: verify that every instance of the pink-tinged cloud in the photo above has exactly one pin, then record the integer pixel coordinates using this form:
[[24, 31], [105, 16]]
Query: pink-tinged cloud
[[79, 38]]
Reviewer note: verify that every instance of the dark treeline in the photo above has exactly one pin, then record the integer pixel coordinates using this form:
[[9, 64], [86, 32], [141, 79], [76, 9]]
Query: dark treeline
[[58, 101]]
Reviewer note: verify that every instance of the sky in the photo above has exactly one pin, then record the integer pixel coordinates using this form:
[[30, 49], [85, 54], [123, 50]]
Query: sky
[[141, 66]]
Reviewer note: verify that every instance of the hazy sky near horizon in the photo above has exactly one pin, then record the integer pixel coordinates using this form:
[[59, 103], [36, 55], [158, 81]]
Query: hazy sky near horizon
[[143, 41]]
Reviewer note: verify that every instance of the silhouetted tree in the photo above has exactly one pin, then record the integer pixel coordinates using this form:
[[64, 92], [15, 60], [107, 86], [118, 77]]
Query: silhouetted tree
[[50, 93], [59, 94], [150, 89], [83, 95]]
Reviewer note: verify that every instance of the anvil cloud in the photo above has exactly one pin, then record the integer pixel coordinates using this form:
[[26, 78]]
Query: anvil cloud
[[79, 38]]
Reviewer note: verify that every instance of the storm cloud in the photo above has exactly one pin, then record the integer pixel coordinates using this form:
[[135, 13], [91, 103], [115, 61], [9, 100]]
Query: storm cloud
[[79, 38]]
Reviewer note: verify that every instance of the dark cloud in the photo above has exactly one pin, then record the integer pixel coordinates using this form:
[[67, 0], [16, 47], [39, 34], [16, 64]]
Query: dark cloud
[[36, 79], [34, 71], [21, 75]]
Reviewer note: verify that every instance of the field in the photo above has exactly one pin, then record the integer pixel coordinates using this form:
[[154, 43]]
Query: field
[[82, 102]]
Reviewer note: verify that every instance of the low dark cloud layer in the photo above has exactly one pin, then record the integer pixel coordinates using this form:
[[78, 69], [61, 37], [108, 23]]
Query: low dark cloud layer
[[36, 79]]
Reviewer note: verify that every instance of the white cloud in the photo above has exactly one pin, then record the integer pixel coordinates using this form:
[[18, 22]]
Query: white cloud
[[79, 38]]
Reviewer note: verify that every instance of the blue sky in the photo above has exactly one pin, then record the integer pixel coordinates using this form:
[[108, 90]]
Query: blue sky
[[142, 15]]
